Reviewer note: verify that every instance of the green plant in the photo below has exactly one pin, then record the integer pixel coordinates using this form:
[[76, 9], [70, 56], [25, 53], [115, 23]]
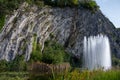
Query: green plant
[[53, 53], [91, 5], [36, 54], [3, 65], [2, 20], [89, 75], [75, 2], [13, 75], [29, 1], [39, 3], [18, 64], [115, 61]]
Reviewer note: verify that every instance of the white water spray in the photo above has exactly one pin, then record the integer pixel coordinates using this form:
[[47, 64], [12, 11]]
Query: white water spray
[[96, 52]]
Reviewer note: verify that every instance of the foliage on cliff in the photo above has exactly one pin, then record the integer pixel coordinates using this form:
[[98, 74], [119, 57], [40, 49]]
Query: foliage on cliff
[[53, 53], [89, 4]]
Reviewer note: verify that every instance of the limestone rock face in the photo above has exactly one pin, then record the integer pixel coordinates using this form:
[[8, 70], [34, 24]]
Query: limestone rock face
[[68, 26]]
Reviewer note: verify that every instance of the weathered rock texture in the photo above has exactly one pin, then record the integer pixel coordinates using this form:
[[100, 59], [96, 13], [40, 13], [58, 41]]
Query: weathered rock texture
[[68, 26]]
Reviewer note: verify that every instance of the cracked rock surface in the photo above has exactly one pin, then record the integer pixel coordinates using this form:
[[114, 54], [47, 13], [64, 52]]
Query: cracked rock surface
[[68, 25]]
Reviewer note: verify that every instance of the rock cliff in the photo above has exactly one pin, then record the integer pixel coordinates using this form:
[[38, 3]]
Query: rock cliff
[[67, 26]]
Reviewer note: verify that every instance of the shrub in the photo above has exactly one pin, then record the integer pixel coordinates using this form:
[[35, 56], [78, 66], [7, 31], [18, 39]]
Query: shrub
[[75, 2], [115, 61], [39, 3], [29, 1], [3, 65], [53, 53], [91, 5], [36, 54], [43, 71], [18, 64]]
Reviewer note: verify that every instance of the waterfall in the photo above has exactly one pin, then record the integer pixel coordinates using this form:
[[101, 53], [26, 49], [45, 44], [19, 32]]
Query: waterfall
[[96, 52]]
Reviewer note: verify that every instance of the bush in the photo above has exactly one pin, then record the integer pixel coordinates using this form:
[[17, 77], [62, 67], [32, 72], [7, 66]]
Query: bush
[[18, 64], [91, 5], [36, 54], [53, 53], [75, 2], [3, 65], [39, 3], [115, 61]]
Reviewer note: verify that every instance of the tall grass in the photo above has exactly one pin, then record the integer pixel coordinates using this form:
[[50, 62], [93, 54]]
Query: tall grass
[[90, 75], [13, 75], [113, 74]]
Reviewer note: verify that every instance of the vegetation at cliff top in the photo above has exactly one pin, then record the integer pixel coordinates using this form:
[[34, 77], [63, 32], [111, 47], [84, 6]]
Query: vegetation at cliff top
[[7, 6]]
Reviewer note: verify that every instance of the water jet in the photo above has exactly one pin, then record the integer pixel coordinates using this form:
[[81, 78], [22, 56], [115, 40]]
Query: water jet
[[96, 52]]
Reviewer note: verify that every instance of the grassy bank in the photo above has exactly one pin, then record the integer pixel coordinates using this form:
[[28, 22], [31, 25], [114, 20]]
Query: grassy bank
[[13, 75], [74, 75]]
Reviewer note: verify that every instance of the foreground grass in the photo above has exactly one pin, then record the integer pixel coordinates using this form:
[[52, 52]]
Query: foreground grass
[[13, 75], [90, 75], [73, 75]]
